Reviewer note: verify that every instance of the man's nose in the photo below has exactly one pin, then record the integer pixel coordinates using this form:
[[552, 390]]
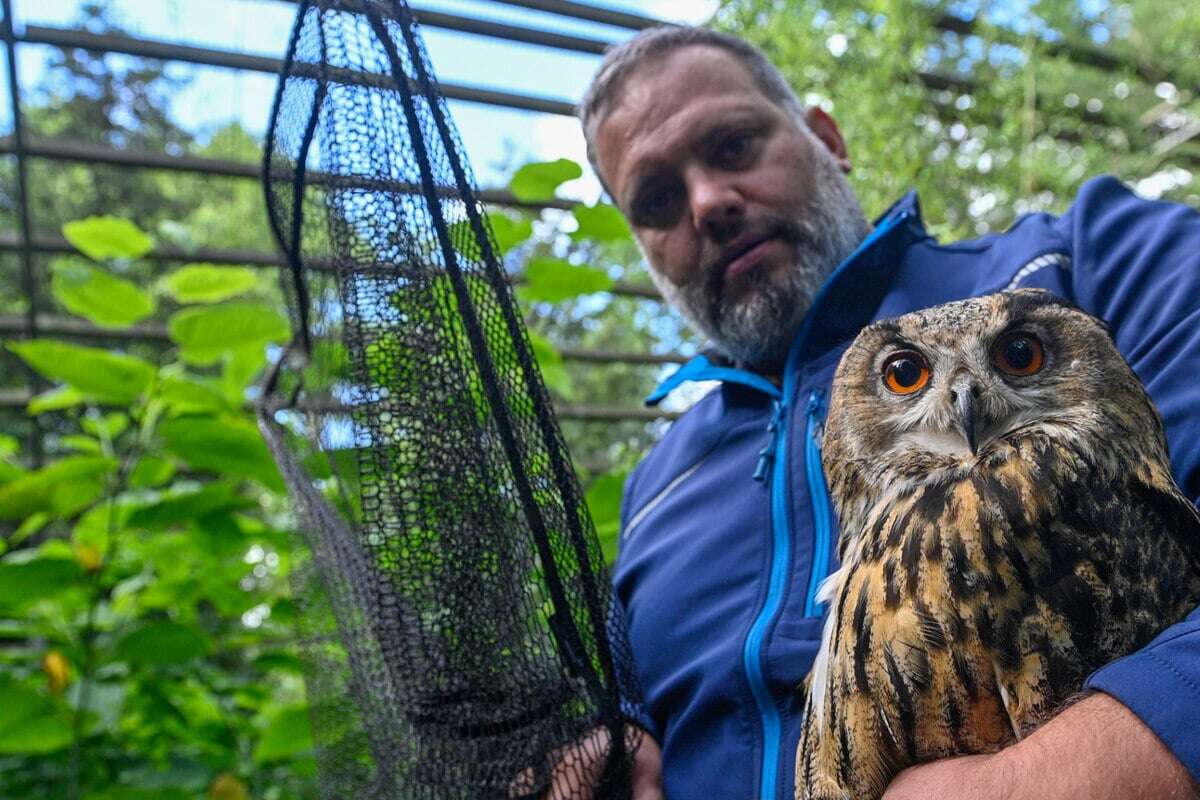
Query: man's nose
[[718, 208]]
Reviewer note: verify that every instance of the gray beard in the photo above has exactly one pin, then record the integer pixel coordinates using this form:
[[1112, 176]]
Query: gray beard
[[758, 328]]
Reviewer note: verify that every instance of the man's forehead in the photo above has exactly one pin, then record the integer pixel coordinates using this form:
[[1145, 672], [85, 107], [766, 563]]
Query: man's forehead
[[665, 98]]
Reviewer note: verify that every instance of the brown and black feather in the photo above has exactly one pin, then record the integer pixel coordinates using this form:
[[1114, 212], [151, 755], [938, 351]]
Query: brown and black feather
[[978, 590]]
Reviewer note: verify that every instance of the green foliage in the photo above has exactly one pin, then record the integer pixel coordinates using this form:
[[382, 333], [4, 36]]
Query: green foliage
[[223, 445], [96, 373], [32, 723], [106, 237], [540, 180], [600, 223], [143, 558], [94, 294], [285, 735], [509, 231], [207, 283], [1015, 125], [206, 334], [554, 279]]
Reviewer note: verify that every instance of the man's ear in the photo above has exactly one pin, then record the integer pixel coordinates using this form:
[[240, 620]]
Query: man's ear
[[826, 130]]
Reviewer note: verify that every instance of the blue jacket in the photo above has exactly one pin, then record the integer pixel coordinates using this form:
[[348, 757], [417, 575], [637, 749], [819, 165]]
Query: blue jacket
[[727, 528]]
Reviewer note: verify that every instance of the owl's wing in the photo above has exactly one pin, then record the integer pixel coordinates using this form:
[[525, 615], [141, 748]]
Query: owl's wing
[[1181, 517]]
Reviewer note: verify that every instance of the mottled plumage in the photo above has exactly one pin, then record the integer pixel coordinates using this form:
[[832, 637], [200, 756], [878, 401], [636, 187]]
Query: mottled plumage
[[1009, 523]]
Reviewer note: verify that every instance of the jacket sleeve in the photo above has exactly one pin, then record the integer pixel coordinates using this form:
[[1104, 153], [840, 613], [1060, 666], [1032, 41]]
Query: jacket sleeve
[[1136, 264], [633, 704]]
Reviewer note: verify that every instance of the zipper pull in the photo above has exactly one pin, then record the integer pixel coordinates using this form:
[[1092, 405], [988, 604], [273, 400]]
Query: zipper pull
[[815, 411], [767, 454]]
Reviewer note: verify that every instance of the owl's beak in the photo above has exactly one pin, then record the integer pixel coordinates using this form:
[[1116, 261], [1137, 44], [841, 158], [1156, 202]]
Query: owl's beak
[[964, 404]]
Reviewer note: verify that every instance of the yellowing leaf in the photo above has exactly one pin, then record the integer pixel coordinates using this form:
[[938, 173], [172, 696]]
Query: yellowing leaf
[[94, 294], [227, 786], [208, 283], [57, 671], [88, 556], [108, 237]]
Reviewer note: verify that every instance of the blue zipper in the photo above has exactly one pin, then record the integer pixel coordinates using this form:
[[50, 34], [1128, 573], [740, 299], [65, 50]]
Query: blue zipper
[[819, 494], [774, 456], [781, 527]]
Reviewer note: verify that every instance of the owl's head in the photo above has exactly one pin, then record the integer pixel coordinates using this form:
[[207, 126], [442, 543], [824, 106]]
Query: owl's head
[[949, 385]]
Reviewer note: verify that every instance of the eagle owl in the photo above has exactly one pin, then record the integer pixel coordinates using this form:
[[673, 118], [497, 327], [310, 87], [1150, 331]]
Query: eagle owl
[[1009, 523]]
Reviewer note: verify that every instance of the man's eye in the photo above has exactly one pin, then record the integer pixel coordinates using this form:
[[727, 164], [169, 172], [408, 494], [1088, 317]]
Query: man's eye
[[654, 207], [734, 149]]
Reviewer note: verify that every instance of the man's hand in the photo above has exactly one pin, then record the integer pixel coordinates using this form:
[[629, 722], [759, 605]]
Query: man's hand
[[580, 766], [1096, 749]]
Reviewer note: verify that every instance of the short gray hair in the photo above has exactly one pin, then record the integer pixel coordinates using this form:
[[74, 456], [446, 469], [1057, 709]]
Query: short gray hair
[[621, 60]]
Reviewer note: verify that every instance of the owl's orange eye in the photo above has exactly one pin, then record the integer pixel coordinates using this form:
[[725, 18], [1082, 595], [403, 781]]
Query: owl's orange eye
[[905, 372], [1018, 353]]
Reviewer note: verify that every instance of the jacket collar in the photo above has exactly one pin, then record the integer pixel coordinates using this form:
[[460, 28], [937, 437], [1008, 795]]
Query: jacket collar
[[845, 303]]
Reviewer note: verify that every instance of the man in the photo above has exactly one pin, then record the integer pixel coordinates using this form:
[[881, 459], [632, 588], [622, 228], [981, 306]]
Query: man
[[737, 195]]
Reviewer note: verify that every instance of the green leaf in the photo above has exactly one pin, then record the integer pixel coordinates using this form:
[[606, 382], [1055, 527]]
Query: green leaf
[[185, 394], [151, 471], [550, 362], [163, 644], [206, 334], [30, 724], [509, 232], [109, 377], [64, 487], [188, 505], [55, 400], [29, 526], [287, 734], [279, 660], [81, 444], [601, 223], [223, 445], [604, 505], [553, 279], [208, 283], [108, 426], [9, 445], [99, 297], [108, 237], [23, 583], [538, 181]]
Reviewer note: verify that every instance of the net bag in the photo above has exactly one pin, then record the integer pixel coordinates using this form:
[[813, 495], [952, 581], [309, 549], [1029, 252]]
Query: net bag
[[455, 613]]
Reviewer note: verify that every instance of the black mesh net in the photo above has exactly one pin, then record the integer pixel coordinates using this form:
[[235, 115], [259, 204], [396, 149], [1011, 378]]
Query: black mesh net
[[455, 609]]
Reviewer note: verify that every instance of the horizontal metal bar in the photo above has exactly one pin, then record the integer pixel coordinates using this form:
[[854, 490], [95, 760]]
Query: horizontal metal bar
[[605, 16], [53, 245], [497, 30], [512, 33], [89, 153], [19, 399], [82, 329], [66, 38], [610, 356]]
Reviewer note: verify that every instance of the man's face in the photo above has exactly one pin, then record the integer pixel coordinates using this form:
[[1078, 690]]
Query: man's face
[[740, 208]]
